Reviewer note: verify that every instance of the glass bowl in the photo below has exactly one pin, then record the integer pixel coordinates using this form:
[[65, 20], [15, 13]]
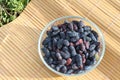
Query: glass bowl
[[70, 18]]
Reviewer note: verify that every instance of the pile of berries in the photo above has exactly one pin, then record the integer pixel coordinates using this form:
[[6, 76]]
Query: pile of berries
[[70, 47]]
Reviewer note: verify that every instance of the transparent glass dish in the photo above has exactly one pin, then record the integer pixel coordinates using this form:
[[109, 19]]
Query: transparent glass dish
[[61, 21]]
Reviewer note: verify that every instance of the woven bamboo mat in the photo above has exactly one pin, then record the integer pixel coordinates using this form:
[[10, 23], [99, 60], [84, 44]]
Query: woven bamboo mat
[[19, 57]]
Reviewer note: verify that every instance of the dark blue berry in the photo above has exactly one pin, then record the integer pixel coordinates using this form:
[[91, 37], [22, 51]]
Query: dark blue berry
[[84, 38], [87, 28], [74, 67], [97, 46], [49, 33], [92, 58], [52, 65], [81, 24], [75, 27], [77, 37], [82, 35], [53, 55], [88, 62], [46, 51], [87, 33], [58, 67], [73, 40], [62, 35], [73, 60], [75, 22], [62, 62], [66, 42], [86, 55], [92, 37], [78, 48], [78, 60], [92, 53], [81, 30], [74, 34], [70, 71], [68, 33], [55, 33], [46, 58], [60, 43], [55, 62], [65, 54], [58, 55], [46, 40], [83, 47], [57, 37], [88, 38], [87, 67], [50, 46], [55, 28], [54, 43], [63, 69], [70, 26], [92, 47], [95, 34], [50, 60], [65, 48], [73, 51], [76, 71]]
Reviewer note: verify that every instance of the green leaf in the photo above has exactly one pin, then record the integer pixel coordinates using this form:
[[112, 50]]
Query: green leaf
[[0, 1], [8, 20], [10, 8], [4, 19], [12, 17], [5, 14], [8, 3], [19, 6], [1, 24]]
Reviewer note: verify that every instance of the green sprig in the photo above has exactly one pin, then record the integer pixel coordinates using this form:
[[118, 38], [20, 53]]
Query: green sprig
[[10, 9]]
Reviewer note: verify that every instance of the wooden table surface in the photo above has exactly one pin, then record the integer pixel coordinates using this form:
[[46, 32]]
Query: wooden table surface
[[19, 57]]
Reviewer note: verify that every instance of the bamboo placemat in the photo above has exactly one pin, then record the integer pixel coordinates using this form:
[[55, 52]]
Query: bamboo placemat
[[19, 57]]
